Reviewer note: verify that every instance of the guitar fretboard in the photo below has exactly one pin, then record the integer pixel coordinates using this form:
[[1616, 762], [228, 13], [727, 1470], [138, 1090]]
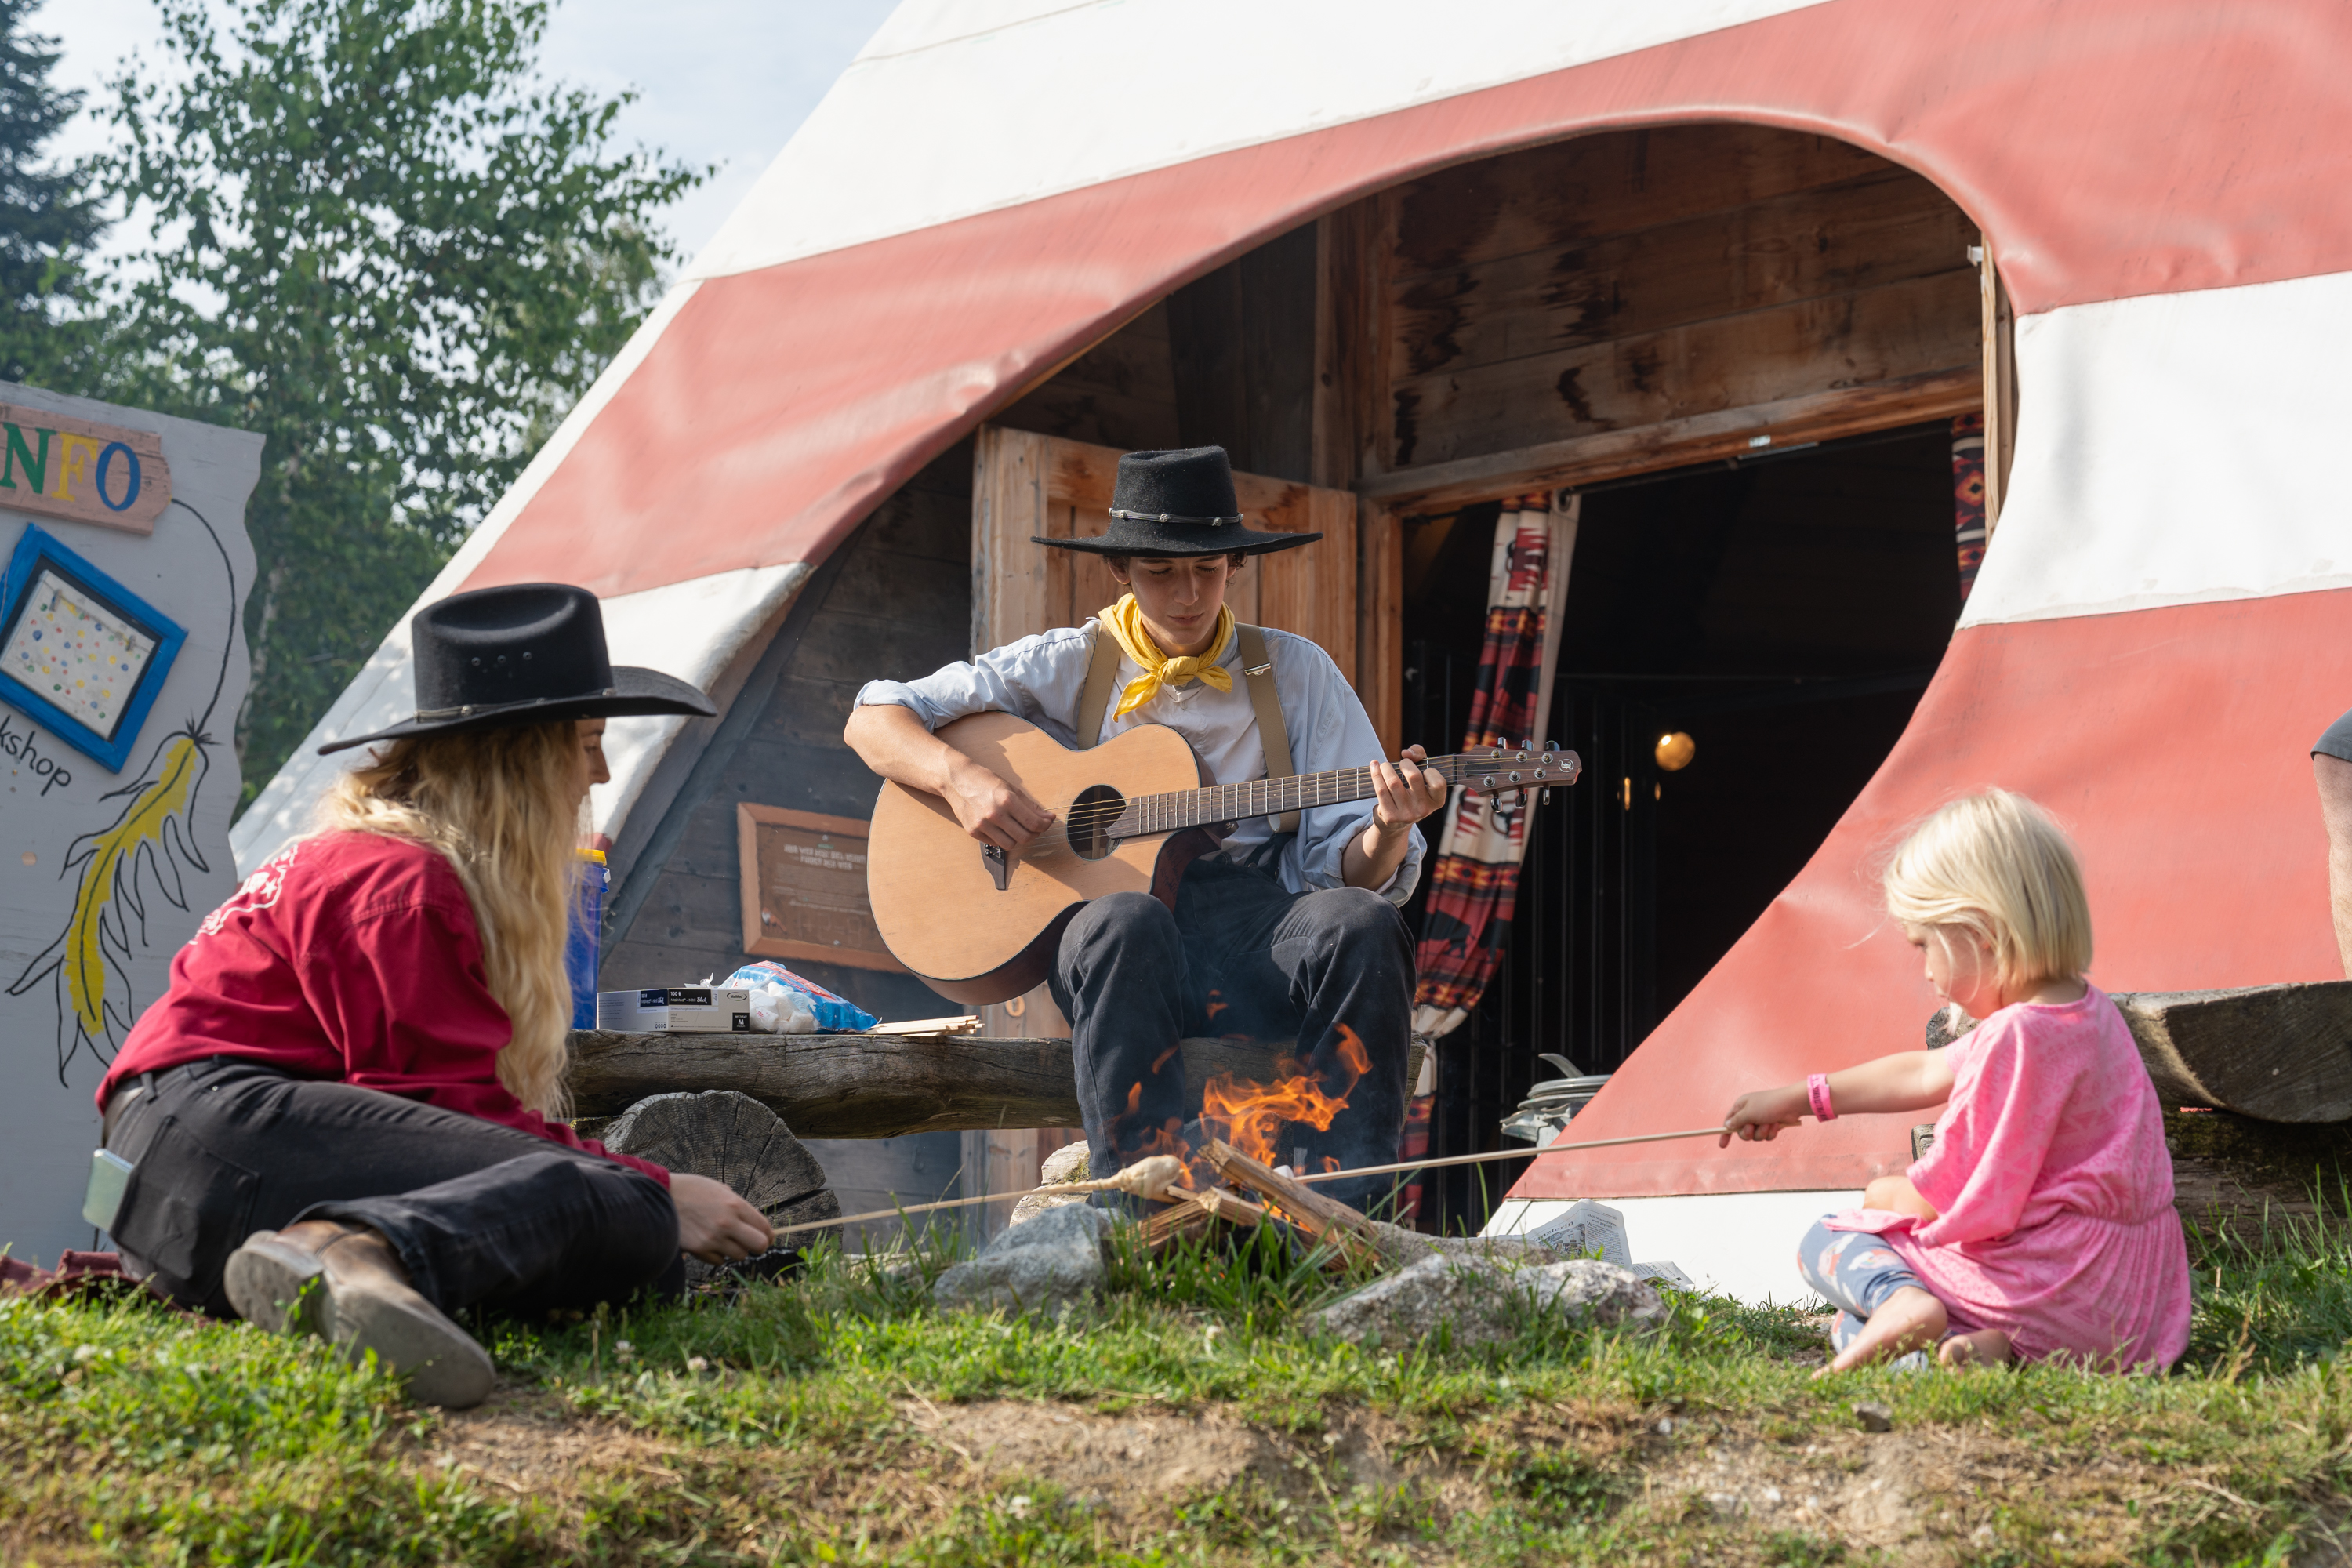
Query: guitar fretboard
[[1494, 772]]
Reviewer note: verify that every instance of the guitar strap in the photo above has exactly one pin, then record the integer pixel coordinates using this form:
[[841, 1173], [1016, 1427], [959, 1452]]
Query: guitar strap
[[1258, 669], [1094, 697]]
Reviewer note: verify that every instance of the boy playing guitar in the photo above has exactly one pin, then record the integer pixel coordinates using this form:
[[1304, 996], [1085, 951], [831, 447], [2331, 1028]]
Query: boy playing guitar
[[1290, 929]]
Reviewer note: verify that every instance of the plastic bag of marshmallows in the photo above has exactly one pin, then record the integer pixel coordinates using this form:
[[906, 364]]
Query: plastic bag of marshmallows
[[783, 1003]]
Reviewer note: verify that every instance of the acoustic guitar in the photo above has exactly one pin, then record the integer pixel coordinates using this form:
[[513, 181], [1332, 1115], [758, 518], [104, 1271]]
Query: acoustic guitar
[[981, 924]]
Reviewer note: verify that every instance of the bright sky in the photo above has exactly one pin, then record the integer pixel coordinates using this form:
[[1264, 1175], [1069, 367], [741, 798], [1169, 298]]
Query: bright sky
[[719, 81]]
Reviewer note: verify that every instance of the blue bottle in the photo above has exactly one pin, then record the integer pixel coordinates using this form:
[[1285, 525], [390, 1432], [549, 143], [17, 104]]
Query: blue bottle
[[580, 950]]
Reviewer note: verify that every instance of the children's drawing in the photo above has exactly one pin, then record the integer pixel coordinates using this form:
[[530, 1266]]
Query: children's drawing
[[79, 651]]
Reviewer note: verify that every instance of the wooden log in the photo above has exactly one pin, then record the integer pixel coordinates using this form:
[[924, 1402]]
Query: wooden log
[[2277, 1053], [733, 1139], [2274, 1053], [871, 1086], [2234, 1174]]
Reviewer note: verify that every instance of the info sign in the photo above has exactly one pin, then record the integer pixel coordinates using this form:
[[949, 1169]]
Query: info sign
[[53, 465]]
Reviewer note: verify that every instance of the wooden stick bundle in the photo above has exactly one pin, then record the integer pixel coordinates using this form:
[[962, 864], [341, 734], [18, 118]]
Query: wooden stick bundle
[[1323, 1176]]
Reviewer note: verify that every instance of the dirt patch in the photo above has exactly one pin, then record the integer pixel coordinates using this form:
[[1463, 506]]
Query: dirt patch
[[529, 1442], [1137, 1462]]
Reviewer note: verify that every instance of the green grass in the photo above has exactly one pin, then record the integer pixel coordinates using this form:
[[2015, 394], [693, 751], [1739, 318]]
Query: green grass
[[830, 1418]]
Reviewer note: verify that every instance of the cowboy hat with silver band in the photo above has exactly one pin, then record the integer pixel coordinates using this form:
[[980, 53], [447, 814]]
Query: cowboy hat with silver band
[[1178, 503], [530, 653]]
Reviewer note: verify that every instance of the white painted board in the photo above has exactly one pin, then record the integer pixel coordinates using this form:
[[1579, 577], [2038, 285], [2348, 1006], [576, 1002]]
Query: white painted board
[[152, 859]]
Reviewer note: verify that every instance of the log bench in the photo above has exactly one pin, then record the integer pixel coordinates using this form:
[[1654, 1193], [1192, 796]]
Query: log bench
[[871, 1086]]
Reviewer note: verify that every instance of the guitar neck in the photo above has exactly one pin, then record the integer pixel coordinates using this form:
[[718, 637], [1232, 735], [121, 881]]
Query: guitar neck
[[1495, 773]]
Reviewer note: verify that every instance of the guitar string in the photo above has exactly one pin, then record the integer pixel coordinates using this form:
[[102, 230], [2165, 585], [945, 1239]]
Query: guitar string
[[1268, 797]]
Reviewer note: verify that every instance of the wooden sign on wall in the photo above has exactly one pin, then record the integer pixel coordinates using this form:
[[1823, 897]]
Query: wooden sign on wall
[[803, 884], [57, 466]]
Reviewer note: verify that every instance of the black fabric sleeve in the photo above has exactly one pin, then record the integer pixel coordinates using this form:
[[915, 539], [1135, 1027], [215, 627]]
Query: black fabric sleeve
[[2337, 741]]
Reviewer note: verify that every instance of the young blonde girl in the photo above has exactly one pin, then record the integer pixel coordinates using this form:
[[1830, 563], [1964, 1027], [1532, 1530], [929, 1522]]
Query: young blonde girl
[[2041, 1223]]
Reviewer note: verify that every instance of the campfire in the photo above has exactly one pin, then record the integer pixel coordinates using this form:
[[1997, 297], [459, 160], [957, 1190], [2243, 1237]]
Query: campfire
[[1239, 1142], [1251, 1116]]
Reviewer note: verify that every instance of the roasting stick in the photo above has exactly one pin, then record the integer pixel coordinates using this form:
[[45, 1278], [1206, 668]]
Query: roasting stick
[[1498, 1154], [1146, 1179]]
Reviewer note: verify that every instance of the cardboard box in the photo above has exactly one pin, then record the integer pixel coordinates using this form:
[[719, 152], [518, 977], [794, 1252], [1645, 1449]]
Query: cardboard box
[[676, 1010]]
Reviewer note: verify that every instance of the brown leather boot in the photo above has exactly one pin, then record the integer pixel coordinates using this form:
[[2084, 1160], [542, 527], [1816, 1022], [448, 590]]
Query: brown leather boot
[[345, 1284]]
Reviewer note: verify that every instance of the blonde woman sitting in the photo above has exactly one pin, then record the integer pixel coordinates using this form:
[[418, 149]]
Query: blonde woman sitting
[[345, 1116]]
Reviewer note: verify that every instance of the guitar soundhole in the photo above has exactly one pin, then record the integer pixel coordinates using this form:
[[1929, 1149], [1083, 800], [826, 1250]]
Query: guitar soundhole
[[1091, 814]]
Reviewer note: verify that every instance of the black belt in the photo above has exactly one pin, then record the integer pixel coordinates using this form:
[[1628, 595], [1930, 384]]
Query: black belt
[[120, 1101]]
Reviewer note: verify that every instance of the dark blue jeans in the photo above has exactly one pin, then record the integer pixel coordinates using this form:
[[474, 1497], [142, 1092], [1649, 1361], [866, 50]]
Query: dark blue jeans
[[1239, 956], [480, 1214]]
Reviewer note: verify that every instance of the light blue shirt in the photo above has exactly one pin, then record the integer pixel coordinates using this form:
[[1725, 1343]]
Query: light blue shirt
[[1041, 679]]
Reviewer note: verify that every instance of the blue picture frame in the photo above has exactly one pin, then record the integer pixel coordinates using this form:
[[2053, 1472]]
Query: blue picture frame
[[38, 551]]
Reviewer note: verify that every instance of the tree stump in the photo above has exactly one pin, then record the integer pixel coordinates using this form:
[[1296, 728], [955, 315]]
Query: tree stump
[[732, 1138]]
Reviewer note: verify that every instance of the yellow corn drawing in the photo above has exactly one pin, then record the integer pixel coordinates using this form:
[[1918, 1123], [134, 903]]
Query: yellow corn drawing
[[151, 837]]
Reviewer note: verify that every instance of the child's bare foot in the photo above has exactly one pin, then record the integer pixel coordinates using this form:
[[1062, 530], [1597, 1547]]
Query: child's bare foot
[[1905, 1321], [1986, 1347]]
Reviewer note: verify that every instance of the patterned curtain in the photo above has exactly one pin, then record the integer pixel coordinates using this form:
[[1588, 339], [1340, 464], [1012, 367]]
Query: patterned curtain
[[1475, 879], [1968, 496]]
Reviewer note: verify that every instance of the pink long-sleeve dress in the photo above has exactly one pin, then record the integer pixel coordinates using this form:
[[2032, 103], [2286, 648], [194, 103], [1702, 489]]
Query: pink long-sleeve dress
[[2053, 1193]]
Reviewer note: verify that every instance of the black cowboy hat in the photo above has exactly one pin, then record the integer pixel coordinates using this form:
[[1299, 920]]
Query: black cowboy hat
[[528, 654], [1178, 503]]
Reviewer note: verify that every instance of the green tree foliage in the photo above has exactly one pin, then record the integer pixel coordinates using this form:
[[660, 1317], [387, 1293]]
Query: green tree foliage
[[385, 244], [48, 219]]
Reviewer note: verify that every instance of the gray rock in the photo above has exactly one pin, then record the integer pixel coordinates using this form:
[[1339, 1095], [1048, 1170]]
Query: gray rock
[[1475, 1298], [1068, 1164], [1052, 1263], [1585, 1229], [1874, 1417]]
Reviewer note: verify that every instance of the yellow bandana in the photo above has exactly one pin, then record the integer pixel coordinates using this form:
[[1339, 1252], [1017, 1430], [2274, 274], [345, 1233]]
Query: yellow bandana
[[1124, 621]]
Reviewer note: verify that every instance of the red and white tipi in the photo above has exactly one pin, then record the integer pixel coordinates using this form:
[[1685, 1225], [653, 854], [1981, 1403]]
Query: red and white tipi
[[2152, 644]]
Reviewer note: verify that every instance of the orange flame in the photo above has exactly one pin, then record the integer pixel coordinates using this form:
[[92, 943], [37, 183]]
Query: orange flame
[[1251, 1115], [1168, 1139]]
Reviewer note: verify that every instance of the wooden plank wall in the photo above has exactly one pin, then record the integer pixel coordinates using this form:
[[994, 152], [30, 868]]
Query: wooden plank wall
[[1649, 282], [895, 602]]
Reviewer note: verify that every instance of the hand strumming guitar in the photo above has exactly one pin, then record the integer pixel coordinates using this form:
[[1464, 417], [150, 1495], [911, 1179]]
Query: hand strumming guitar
[[991, 809], [894, 743]]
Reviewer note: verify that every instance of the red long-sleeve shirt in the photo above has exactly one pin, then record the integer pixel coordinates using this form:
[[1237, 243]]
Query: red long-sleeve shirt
[[354, 957]]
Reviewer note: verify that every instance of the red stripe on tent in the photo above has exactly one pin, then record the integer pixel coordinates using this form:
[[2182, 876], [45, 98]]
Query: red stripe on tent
[[2111, 147], [2173, 743]]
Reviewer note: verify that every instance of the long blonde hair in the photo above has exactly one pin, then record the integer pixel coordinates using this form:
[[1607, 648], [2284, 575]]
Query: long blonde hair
[[1996, 866], [497, 803]]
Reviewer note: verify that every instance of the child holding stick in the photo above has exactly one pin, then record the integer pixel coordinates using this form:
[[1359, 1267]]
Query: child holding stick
[[2041, 1223]]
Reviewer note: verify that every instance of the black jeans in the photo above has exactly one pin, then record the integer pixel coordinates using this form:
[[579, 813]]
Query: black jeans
[[1239, 956], [480, 1214]]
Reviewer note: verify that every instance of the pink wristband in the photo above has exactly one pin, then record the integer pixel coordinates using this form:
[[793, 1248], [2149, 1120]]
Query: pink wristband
[[1817, 1092]]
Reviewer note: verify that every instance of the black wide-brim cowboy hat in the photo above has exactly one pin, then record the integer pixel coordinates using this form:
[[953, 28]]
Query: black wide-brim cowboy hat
[[1178, 503], [532, 652]]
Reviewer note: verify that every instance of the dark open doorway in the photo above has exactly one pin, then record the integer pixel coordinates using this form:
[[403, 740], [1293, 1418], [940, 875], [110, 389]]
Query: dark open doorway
[[1784, 612]]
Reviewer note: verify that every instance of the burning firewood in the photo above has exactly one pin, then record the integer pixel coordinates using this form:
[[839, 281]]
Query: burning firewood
[[1195, 1213], [1187, 1219], [1345, 1230]]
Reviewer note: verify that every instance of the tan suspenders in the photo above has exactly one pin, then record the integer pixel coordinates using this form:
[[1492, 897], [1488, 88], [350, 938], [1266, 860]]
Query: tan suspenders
[[1257, 669]]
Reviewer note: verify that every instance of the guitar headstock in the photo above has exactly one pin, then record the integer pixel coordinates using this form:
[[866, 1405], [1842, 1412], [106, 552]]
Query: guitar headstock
[[1500, 770]]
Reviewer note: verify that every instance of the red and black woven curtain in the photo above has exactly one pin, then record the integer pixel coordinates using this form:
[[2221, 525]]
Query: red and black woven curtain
[[1968, 532], [1474, 879]]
